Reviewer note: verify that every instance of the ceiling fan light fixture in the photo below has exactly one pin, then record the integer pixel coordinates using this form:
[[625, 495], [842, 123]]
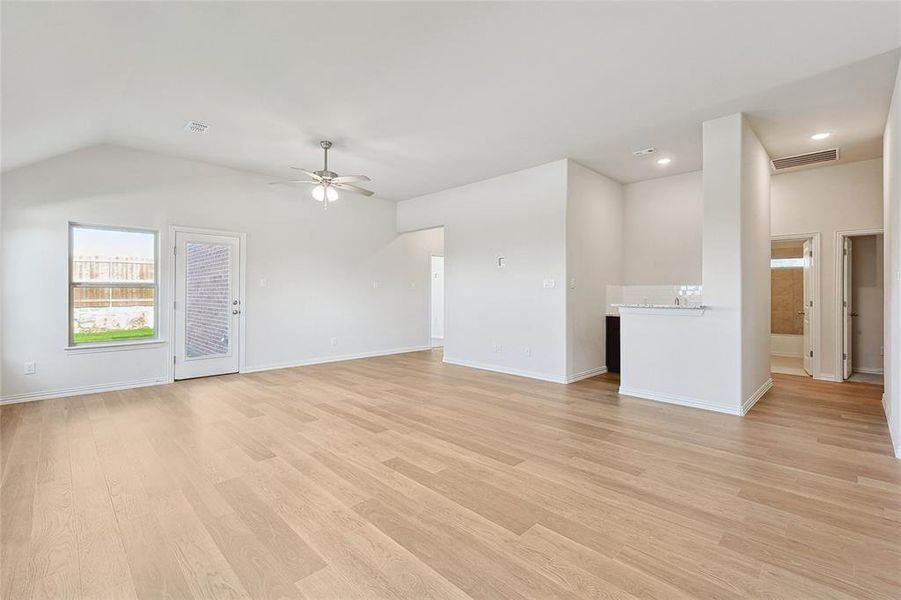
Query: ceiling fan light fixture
[[324, 192]]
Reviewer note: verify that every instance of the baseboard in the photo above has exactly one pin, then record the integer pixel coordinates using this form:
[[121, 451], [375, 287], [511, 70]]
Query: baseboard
[[757, 395], [896, 440], [869, 370], [586, 374], [125, 385], [505, 370], [82, 390], [680, 400], [827, 377], [330, 359]]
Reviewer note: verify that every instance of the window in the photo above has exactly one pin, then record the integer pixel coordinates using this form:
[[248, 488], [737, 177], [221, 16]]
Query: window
[[787, 263], [113, 284]]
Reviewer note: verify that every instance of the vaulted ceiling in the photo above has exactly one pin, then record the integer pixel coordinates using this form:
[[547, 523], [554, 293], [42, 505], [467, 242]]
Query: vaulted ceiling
[[426, 96]]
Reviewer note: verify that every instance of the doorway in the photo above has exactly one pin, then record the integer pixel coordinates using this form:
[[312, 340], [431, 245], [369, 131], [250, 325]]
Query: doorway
[[860, 306], [208, 303], [794, 330], [436, 310]]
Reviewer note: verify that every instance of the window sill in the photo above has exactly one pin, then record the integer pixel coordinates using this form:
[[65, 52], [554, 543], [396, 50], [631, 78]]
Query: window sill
[[114, 346]]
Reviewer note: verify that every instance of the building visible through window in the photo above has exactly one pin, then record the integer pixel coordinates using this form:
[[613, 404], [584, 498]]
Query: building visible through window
[[112, 284]]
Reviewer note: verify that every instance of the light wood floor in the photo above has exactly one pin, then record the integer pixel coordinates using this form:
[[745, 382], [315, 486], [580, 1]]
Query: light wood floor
[[402, 477]]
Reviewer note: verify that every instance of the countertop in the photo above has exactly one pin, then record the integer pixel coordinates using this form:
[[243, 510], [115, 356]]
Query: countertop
[[667, 306], [698, 308]]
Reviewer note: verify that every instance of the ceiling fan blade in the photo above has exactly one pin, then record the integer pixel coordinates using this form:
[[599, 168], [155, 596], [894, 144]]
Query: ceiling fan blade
[[350, 178], [309, 173], [293, 181], [352, 188]]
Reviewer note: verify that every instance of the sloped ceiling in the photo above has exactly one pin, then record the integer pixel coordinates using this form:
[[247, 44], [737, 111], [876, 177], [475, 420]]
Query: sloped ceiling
[[427, 96]]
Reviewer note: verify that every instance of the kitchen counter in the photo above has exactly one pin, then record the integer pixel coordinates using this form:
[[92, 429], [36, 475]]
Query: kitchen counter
[[663, 306], [694, 310]]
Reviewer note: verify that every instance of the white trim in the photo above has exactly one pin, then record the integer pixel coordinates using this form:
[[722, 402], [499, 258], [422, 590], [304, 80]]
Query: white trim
[[113, 347], [827, 377], [815, 238], [679, 400], [786, 355], [870, 370], [505, 370], [586, 374], [81, 390], [170, 291], [757, 395], [896, 443], [155, 285], [839, 283], [330, 359]]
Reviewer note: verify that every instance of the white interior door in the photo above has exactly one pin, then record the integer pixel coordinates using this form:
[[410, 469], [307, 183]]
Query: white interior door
[[847, 308], [207, 304], [437, 303], [808, 305]]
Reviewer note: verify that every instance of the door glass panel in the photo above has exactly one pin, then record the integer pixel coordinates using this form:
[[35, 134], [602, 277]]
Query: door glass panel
[[208, 299]]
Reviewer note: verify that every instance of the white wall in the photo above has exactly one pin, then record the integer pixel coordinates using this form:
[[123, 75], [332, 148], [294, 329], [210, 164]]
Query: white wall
[[756, 278], [502, 318], [662, 222], [659, 238], [321, 266], [828, 199], [437, 306], [786, 344], [867, 296], [891, 144], [720, 359], [594, 246]]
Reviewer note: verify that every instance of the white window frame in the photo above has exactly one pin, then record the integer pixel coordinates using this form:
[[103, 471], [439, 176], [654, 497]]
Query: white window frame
[[788, 263], [155, 285]]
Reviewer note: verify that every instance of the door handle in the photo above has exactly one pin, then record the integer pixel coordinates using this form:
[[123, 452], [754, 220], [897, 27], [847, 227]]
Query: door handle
[[855, 314], [236, 311]]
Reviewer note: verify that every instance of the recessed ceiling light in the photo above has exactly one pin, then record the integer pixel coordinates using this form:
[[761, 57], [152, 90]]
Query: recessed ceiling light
[[664, 161], [820, 136]]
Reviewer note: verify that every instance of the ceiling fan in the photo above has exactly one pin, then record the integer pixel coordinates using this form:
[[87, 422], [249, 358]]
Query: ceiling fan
[[326, 183]]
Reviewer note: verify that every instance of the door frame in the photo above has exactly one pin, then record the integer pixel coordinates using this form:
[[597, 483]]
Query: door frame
[[815, 244], [443, 303], [170, 290], [839, 291]]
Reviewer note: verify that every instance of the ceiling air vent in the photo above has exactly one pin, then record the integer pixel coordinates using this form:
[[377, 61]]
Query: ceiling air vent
[[196, 127], [802, 160]]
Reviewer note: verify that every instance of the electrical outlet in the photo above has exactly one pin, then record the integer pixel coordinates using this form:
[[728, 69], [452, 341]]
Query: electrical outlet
[[549, 284], [333, 341], [412, 285], [498, 348], [264, 282], [501, 262], [376, 285], [30, 368], [527, 351]]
